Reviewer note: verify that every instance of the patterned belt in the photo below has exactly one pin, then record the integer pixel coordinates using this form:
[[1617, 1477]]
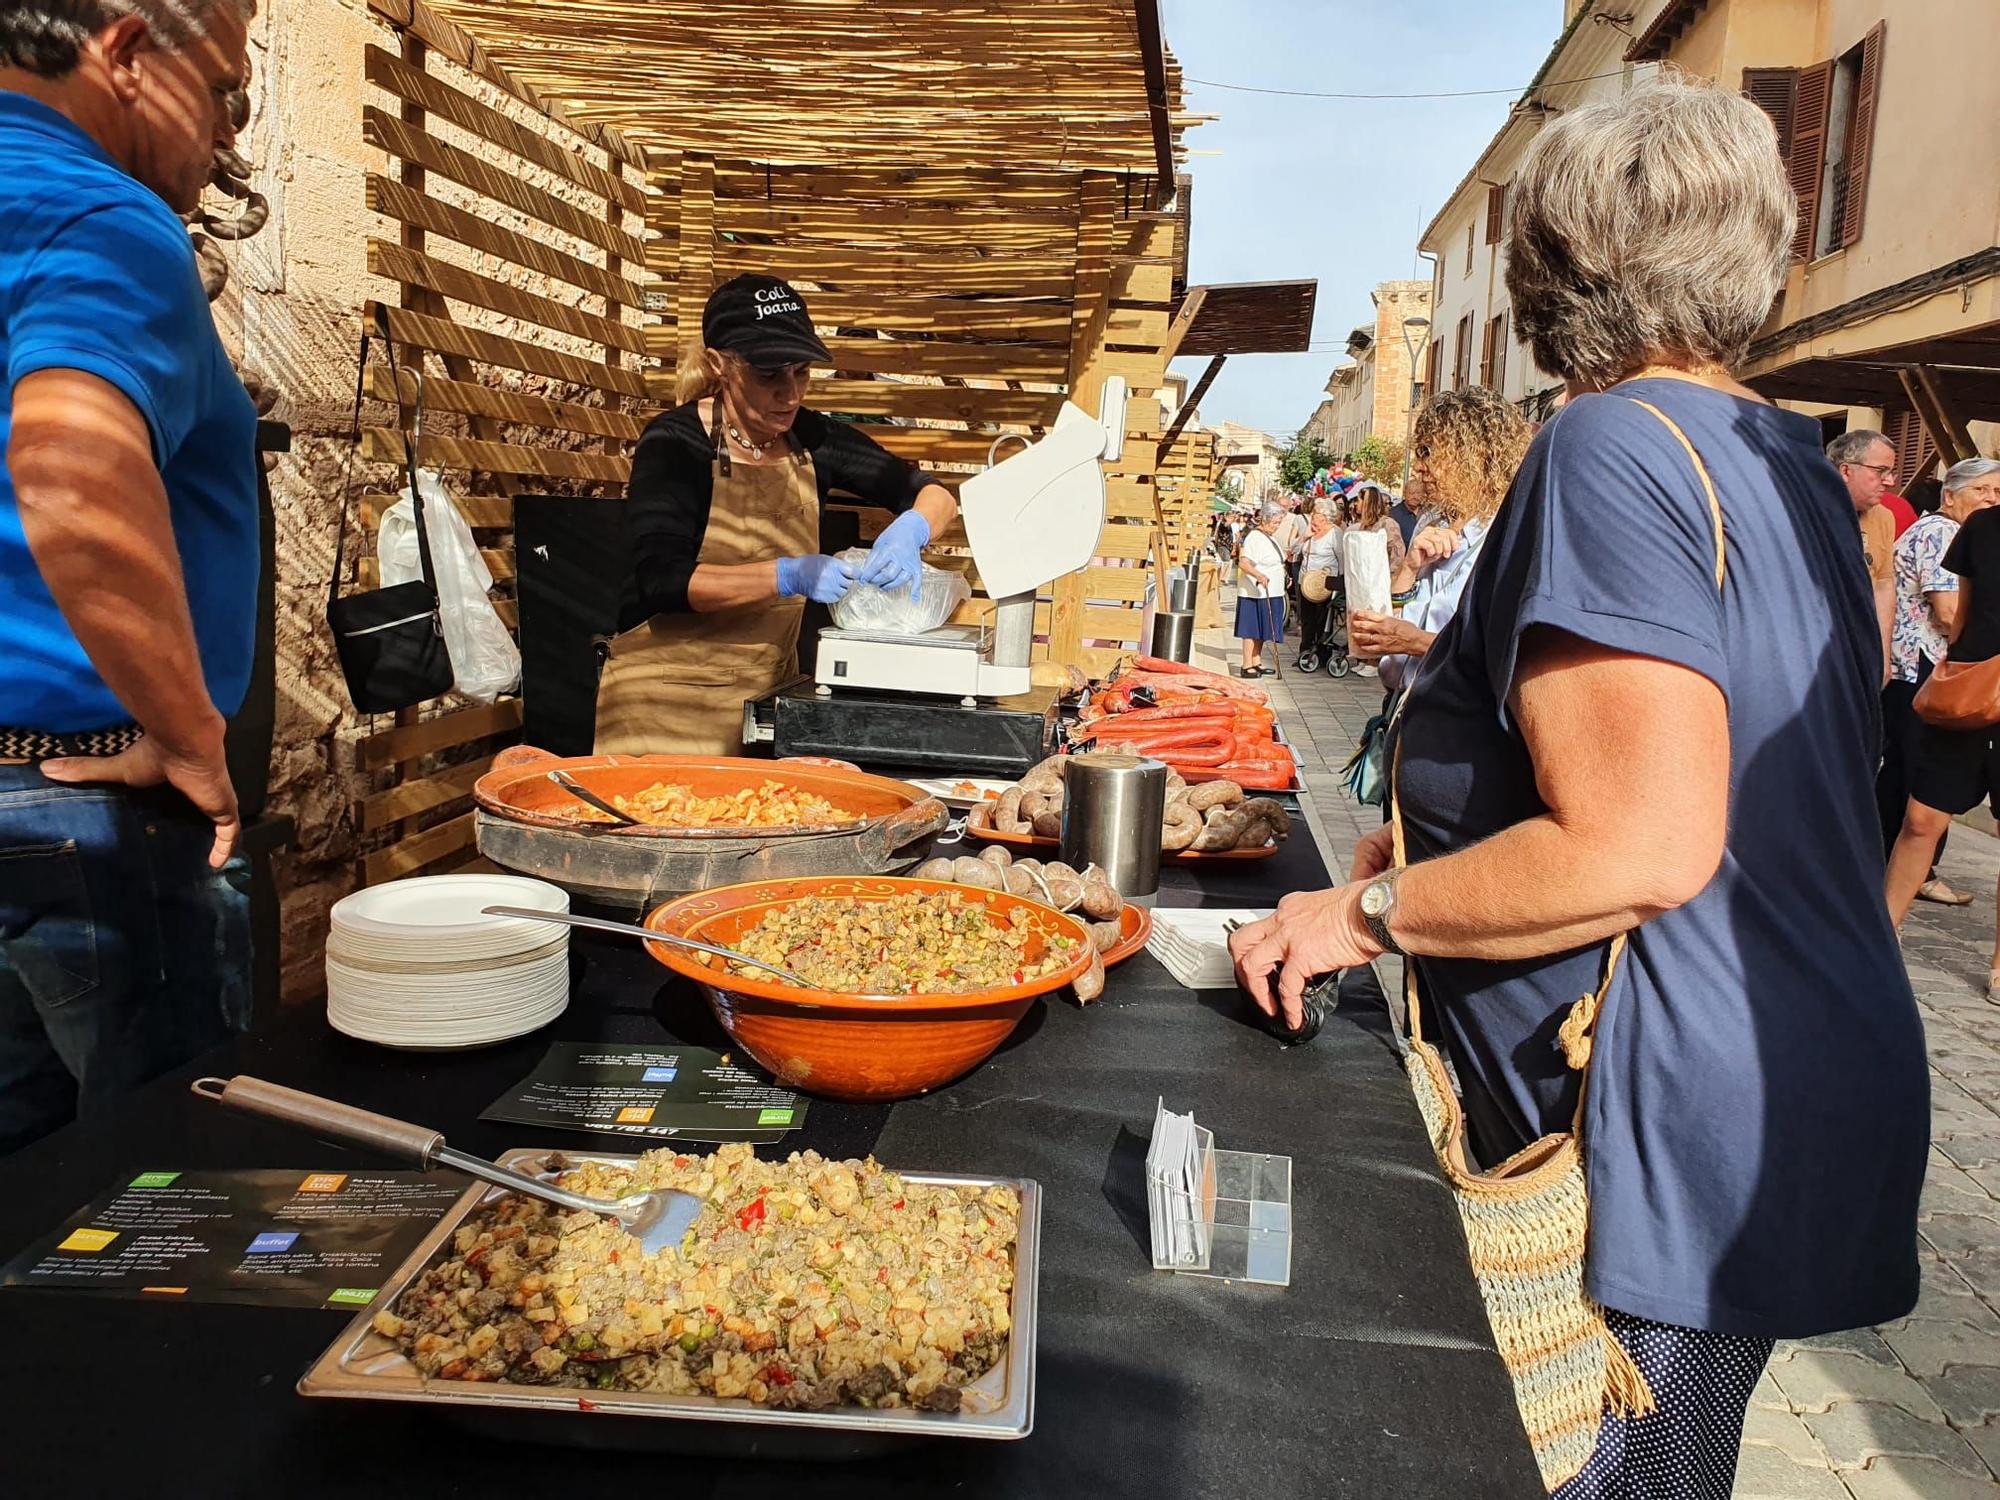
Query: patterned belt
[[39, 744]]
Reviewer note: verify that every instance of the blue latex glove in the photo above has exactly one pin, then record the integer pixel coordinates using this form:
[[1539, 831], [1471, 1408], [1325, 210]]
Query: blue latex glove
[[815, 576], [898, 557]]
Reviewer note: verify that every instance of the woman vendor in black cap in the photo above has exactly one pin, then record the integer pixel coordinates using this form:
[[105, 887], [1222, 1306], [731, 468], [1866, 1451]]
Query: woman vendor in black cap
[[724, 526]]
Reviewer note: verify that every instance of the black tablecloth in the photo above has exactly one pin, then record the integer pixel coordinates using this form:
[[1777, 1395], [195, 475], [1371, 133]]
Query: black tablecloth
[[1372, 1375]]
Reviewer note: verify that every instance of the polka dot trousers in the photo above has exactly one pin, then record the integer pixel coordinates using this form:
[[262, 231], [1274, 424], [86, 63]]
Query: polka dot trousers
[[1686, 1449]]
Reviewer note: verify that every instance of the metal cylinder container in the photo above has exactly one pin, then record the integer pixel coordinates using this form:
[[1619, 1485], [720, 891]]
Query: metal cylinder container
[[1013, 629], [1113, 806], [1183, 590], [1173, 635]]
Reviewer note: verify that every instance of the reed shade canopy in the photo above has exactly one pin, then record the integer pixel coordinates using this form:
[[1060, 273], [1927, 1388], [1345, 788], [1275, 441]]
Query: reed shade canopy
[[977, 199], [1033, 85]]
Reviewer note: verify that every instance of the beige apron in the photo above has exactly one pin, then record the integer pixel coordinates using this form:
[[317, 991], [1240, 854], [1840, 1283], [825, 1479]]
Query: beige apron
[[676, 685]]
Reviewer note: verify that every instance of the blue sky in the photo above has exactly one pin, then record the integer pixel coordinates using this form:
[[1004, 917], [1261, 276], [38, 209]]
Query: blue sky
[[1336, 190]]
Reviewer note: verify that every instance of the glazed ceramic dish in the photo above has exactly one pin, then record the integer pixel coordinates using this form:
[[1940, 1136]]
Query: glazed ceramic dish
[[1135, 926], [856, 1047], [518, 788]]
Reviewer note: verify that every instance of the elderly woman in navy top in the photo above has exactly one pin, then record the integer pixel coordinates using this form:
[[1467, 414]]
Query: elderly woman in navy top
[[1632, 725]]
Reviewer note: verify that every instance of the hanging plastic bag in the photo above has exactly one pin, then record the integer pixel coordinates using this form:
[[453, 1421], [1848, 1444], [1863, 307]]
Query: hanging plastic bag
[[893, 611], [484, 658]]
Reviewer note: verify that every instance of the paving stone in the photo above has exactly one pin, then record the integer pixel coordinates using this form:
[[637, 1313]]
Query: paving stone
[[1928, 1347], [1974, 1151], [1768, 1394], [1969, 1395], [1985, 1441], [1956, 1194], [1955, 1234], [1856, 1433], [1915, 1479], [1980, 1270], [1862, 1342], [1766, 1473], [1815, 1380], [1784, 1431], [1945, 1294]]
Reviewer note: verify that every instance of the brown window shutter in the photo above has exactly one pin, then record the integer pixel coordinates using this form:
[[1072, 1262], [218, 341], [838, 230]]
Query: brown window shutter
[[1861, 134], [1499, 380], [1772, 90], [1436, 365], [1486, 355], [1461, 375], [1496, 210], [1808, 154]]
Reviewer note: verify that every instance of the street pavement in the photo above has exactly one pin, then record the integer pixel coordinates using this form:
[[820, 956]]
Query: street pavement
[[1908, 1411]]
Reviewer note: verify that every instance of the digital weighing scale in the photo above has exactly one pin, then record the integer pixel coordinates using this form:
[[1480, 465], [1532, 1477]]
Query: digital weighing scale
[[962, 697]]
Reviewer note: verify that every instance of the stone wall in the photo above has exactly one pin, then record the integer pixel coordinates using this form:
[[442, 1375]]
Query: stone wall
[[290, 316], [1394, 302]]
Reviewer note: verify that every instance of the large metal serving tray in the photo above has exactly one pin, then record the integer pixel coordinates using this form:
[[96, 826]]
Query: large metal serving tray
[[363, 1365]]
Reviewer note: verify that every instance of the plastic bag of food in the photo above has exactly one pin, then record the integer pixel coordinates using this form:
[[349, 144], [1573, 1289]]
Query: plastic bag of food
[[894, 611], [484, 658]]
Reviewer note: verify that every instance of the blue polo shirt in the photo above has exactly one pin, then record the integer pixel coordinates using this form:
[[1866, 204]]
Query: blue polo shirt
[[98, 275]]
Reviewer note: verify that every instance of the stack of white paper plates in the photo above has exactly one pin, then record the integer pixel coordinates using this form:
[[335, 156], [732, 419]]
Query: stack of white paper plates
[[1193, 944], [417, 964]]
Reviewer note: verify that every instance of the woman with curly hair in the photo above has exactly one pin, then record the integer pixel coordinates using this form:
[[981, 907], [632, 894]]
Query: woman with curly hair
[[1465, 449]]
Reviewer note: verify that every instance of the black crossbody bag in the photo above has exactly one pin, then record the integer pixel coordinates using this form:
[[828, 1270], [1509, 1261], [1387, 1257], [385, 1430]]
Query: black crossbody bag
[[390, 641]]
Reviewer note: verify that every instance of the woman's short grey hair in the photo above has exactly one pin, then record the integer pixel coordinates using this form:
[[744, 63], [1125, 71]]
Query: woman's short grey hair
[[1270, 510], [1652, 229], [46, 37], [1965, 471]]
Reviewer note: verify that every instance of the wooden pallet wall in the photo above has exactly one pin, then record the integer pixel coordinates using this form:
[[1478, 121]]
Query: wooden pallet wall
[[510, 243], [958, 305]]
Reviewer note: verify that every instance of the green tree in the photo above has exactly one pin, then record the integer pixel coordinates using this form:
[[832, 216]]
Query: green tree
[[1231, 489], [1380, 459], [1298, 463]]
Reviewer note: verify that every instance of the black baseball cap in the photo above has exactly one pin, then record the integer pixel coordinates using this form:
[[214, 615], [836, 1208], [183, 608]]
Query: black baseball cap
[[762, 319]]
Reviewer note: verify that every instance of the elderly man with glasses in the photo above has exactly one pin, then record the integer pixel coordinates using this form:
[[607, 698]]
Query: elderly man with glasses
[[1867, 464], [128, 556]]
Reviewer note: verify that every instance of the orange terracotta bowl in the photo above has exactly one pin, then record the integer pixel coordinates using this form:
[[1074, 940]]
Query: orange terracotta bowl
[[853, 1047]]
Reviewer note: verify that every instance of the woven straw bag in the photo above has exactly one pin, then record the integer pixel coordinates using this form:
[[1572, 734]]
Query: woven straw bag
[[1527, 1221]]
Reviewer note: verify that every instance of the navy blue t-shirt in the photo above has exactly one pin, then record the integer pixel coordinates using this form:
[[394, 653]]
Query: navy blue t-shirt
[[1758, 1113], [97, 275]]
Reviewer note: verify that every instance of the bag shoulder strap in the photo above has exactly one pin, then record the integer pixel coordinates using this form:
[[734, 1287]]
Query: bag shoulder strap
[[347, 477], [1580, 1025], [411, 422], [1707, 485]]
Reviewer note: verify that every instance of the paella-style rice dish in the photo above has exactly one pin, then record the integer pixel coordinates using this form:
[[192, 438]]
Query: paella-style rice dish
[[771, 804], [944, 942], [805, 1284]]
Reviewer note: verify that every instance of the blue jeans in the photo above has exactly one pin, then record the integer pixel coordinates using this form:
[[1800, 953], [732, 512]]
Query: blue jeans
[[122, 954]]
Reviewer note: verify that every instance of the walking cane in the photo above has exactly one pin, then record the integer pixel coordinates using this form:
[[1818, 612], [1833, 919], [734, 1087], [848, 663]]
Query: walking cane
[[1270, 629]]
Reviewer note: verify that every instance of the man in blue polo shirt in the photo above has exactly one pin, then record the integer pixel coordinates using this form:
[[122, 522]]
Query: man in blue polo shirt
[[128, 556]]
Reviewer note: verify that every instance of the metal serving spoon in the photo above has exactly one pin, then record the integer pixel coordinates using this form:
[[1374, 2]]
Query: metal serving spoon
[[659, 1219], [585, 795], [632, 929]]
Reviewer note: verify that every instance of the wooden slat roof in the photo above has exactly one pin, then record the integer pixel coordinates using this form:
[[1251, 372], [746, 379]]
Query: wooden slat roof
[[1253, 317], [1036, 85]]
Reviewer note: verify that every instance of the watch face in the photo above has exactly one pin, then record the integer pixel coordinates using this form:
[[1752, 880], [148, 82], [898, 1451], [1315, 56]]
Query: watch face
[[1375, 900]]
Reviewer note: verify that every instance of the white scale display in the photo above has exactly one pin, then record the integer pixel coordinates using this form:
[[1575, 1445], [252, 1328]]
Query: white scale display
[[1033, 517]]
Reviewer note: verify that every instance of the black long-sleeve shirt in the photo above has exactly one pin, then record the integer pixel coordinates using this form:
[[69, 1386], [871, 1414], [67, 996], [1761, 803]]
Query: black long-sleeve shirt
[[673, 485]]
